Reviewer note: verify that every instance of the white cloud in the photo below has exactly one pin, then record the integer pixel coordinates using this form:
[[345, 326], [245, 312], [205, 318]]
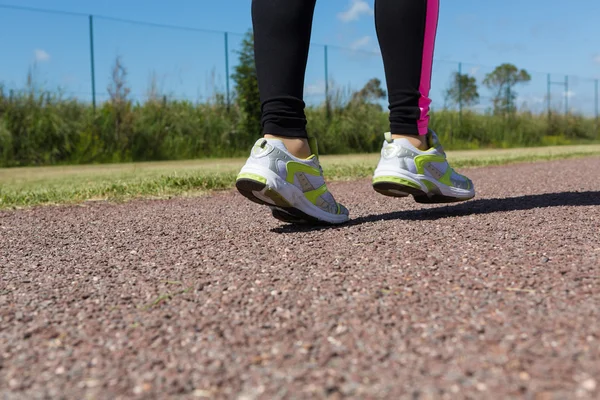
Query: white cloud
[[531, 99], [474, 70], [360, 43], [570, 94], [597, 59], [315, 89], [355, 11], [41, 55]]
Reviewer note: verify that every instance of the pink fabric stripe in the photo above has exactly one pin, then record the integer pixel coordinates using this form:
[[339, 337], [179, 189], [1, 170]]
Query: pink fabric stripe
[[431, 21]]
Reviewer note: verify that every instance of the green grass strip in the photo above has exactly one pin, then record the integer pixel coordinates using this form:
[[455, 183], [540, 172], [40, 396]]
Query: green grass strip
[[62, 185]]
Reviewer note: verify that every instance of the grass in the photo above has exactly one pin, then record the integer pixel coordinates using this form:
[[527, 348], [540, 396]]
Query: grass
[[31, 186]]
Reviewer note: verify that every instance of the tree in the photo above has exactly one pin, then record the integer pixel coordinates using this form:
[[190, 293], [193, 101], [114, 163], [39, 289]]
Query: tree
[[246, 87], [372, 91], [502, 81], [463, 90], [118, 110], [117, 88]]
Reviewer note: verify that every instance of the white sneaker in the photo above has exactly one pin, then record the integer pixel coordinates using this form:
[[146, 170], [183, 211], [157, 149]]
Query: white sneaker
[[294, 188], [405, 170]]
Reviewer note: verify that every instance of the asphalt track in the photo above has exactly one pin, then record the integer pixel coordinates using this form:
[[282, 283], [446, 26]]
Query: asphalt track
[[209, 297]]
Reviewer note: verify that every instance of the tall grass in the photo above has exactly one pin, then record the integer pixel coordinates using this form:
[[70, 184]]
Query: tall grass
[[45, 128]]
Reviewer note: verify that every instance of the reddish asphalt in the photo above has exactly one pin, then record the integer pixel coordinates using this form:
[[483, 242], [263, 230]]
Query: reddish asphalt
[[209, 297]]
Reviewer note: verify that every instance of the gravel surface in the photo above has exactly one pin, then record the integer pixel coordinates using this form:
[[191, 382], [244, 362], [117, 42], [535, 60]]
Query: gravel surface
[[209, 297]]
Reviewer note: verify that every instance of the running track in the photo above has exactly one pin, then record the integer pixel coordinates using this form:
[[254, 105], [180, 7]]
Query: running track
[[210, 298]]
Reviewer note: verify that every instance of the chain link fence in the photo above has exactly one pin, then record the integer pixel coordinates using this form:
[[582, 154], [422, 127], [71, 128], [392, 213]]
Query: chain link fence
[[76, 52]]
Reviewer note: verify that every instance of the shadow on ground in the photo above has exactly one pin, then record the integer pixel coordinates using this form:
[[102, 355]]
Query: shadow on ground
[[474, 207]]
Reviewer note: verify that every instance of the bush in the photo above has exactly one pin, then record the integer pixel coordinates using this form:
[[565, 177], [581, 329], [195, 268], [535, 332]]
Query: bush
[[47, 129]]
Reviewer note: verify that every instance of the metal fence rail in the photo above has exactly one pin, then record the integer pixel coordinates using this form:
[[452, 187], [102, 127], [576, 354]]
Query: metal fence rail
[[182, 59]]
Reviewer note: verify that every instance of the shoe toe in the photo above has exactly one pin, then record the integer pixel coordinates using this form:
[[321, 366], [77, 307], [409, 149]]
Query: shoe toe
[[343, 210]]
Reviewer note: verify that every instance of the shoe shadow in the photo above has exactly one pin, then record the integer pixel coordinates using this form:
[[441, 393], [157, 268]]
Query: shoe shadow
[[474, 207]]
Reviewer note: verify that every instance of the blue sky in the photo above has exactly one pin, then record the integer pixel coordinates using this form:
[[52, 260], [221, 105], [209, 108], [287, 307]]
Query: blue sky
[[542, 36]]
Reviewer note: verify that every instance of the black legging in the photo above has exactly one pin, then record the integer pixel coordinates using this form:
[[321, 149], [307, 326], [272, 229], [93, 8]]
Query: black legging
[[406, 31]]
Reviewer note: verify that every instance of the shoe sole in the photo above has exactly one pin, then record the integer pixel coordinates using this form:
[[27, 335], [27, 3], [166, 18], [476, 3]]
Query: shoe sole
[[280, 207], [285, 216], [402, 187]]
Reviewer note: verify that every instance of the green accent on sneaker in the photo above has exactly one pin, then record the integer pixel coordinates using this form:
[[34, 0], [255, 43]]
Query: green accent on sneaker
[[313, 195], [400, 181], [253, 177], [445, 179], [421, 160], [294, 167], [250, 186], [260, 144], [430, 185], [277, 198]]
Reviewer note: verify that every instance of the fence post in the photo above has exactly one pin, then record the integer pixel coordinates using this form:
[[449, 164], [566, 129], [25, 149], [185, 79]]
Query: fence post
[[326, 55], [548, 100], [460, 91], [227, 69], [596, 104], [508, 101], [92, 66], [566, 94]]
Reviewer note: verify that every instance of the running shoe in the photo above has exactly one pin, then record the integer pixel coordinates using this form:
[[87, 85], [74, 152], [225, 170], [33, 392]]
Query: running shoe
[[426, 175], [292, 187]]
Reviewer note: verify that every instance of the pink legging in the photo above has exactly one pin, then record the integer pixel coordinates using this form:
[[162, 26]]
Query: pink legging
[[406, 31]]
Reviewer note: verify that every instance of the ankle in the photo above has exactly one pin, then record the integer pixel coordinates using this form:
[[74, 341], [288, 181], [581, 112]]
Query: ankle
[[298, 147], [419, 141]]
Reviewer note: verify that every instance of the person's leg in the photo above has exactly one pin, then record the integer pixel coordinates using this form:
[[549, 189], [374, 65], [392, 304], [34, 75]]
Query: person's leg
[[406, 31], [283, 170], [412, 161], [282, 30]]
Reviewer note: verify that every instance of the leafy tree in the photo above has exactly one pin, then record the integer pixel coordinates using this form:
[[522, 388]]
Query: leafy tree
[[371, 92], [246, 87], [462, 90], [502, 81]]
